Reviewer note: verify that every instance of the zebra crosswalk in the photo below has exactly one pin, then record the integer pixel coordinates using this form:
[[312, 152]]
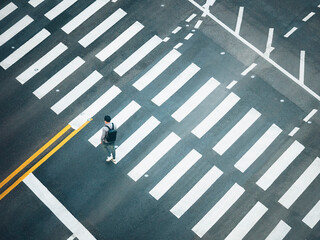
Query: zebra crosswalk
[[191, 101]]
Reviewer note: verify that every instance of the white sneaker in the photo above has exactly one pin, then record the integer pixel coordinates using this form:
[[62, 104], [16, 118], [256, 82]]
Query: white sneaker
[[109, 158], [113, 160]]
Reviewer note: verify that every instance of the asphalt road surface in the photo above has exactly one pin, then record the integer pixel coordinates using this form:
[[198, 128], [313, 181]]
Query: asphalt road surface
[[217, 107]]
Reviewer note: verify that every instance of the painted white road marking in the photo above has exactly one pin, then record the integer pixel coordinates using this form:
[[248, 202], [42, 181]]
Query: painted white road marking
[[313, 217], [231, 85], [218, 210], [176, 84], [175, 174], [247, 222], [292, 30], [41, 63], [5, 11], [24, 49], [58, 77], [60, 8], [198, 24], [258, 148], [192, 16], [302, 64], [102, 28], [76, 92], [280, 165], [157, 69], [306, 18], [215, 116], [301, 184], [279, 232], [269, 47], [178, 45], [196, 192], [95, 107], [57, 208], [251, 67], [84, 15], [294, 131], [154, 156], [134, 139], [138, 55], [195, 99], [119, 119], [310, 115], [35, 3], [188, 36], [177, 29], [119, 41], [239, 21], [15, 29], [236, 132], [166, 39]]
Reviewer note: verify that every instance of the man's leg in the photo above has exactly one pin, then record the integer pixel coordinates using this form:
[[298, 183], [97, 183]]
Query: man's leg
[[113, 150], [108, 151]]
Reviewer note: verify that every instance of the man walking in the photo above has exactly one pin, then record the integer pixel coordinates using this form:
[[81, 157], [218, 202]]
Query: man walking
[[108, 138]]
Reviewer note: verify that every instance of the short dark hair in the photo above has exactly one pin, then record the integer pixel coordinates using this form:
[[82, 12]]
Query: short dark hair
[[107, 118]]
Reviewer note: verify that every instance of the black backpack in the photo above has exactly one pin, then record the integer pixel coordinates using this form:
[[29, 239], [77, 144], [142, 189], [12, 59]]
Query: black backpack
[[112, 134]]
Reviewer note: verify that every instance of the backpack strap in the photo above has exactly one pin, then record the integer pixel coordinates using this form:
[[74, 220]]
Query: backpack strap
[[109, 127]]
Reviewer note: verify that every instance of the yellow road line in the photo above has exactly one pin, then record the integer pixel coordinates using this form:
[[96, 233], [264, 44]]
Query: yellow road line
[[16, 183], [36, 154]]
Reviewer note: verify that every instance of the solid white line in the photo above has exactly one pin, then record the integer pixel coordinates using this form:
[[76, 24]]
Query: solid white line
[[15, 29], [235, 133], [175, 174], [178, 45], [280, 165], [35, 3], [215, 116], [279, 232], [83, 16], [239, 20], [306, 18], [192, 16], [218, 210], [269, 47], [310, 115], [294, 131], [60, 8], [302, 64], [195, 99], [134, 139], [41, 63], [177, 29], [58, 77], [154, 156], [157, 69], [292, 30], [313, 217], [119, 41], [231, 85], [258, 148], [95, 107], [76, 92], [102, 28], [247, 222], [57, 208], [24, 49], [176, 84], [188, 36], [196, 192], [246, 71], [198, 24], [253, 48], [5, 11], [138, 55], [301, 184], [119, 119]]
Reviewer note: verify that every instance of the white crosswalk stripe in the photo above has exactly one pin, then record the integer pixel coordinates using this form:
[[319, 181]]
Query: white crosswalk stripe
[[119, 119], [119, 41], [102, 28], [15, 29], [76, 92], [7, 10], [175, 174], [138, 55], [279, 232], [57, 78], [24, 49], [35, 3], [176, 84], [235, 133], [60, 8], [313, 217], [280, 165], [154, 156], [84, 15], [195, 99], [41, 63]]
